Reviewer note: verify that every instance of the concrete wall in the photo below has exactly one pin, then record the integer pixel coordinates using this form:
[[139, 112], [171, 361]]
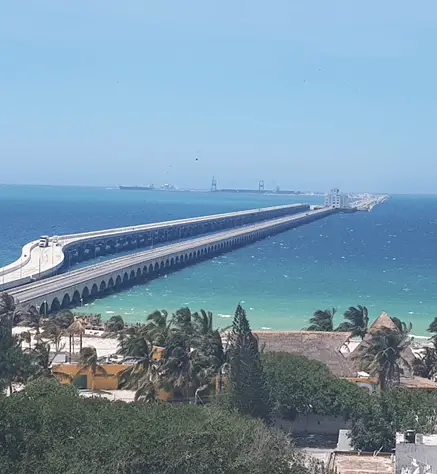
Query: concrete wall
[[313, 424], [417, 458]]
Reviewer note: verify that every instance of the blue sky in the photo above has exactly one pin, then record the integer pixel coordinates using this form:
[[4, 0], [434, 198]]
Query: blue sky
[[306, 95]]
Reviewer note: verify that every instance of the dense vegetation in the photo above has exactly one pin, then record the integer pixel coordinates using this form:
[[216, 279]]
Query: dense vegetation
[[298, 386], [48, 428]]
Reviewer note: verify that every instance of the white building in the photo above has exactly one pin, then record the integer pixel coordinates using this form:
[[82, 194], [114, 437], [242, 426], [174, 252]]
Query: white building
[[416, 453], [336, 199]]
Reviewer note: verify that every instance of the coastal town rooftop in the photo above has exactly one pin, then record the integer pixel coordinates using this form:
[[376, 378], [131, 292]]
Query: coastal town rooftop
[[321, 346]]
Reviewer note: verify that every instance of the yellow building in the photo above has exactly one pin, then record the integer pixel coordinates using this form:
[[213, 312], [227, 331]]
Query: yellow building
[[82, 376]]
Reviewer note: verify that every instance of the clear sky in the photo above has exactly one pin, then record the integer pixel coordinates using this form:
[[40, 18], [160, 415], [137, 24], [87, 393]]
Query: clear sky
[[302, 94]]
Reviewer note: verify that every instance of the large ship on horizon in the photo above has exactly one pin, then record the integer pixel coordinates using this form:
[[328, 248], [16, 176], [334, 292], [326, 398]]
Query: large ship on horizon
[[137, 188]]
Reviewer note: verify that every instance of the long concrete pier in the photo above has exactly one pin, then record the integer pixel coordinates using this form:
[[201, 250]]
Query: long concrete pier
[[38, 262], [78, 286]]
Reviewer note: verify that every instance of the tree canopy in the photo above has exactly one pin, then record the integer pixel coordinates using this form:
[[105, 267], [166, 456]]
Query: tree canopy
[[298, 385], [48, 428], [247, 391]]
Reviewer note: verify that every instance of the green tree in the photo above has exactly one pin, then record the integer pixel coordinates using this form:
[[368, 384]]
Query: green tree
[[32, 319], [299, 386], [433, 326], [53, 331], [402, 326], [209, 340], [159, 327], [357, 321], [322, 320], [140, 376], [248, 392], [15, 366], [63, 319], [383, 355], [121, 438], [90, 361], [115, 324], [7, 309], [26, 336], [425, 365], [373, 426]]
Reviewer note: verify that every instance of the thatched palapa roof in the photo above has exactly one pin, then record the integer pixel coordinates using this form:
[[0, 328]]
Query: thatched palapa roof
[[316, 345], [76, 328]]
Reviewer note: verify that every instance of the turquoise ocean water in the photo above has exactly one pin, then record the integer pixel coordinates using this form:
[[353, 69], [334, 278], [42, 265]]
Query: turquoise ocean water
[[385, 259]]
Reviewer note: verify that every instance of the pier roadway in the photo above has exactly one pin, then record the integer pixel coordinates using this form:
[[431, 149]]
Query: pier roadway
[[78, 286], [38, 262]]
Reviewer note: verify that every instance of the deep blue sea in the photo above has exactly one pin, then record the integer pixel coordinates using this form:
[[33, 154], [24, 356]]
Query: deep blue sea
[[385, 259]]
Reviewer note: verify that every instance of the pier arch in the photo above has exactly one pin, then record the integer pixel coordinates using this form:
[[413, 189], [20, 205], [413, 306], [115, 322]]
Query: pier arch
[[66, 301], [102, 287], [118, 280], [85, 293], [132, 275], [94, 291], [44, 309], [55, 306], [76, 298]]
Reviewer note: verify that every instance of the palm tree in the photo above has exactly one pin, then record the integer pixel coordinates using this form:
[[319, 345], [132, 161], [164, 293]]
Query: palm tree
[[323, 320], [207, 339], [32, 319], [115, 324], [7, 309], [357, 321], [75, 329], [26, 336], [42, 363], [64, 318], [89, 361], [53, 332], [402, 326], [159, 327], [433, 326], [426, 365], [383, 355], [140, 376]]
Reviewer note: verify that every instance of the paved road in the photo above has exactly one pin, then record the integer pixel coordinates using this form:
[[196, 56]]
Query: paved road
[[95, 272], [36, 262]]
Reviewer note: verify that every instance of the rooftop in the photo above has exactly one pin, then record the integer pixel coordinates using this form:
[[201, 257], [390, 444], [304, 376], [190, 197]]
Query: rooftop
[[316, 345], [354, 463], [383, 322], [429, 440]]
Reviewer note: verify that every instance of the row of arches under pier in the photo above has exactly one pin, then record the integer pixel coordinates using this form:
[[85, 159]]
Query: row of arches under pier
[[149, 270], [140, 240], [139, 274]]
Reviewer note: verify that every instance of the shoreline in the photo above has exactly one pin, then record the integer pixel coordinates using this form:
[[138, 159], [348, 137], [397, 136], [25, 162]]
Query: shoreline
[[107, 346], [259, 319]]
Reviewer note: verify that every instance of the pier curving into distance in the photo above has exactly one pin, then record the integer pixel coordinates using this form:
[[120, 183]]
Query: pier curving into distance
[[64, 251], [84, 284]]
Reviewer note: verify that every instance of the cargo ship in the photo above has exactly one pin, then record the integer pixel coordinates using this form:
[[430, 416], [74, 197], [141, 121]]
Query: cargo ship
[[137, 188]]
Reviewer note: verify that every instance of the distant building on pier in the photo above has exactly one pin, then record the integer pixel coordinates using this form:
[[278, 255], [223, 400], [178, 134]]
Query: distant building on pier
[[336, 199]]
